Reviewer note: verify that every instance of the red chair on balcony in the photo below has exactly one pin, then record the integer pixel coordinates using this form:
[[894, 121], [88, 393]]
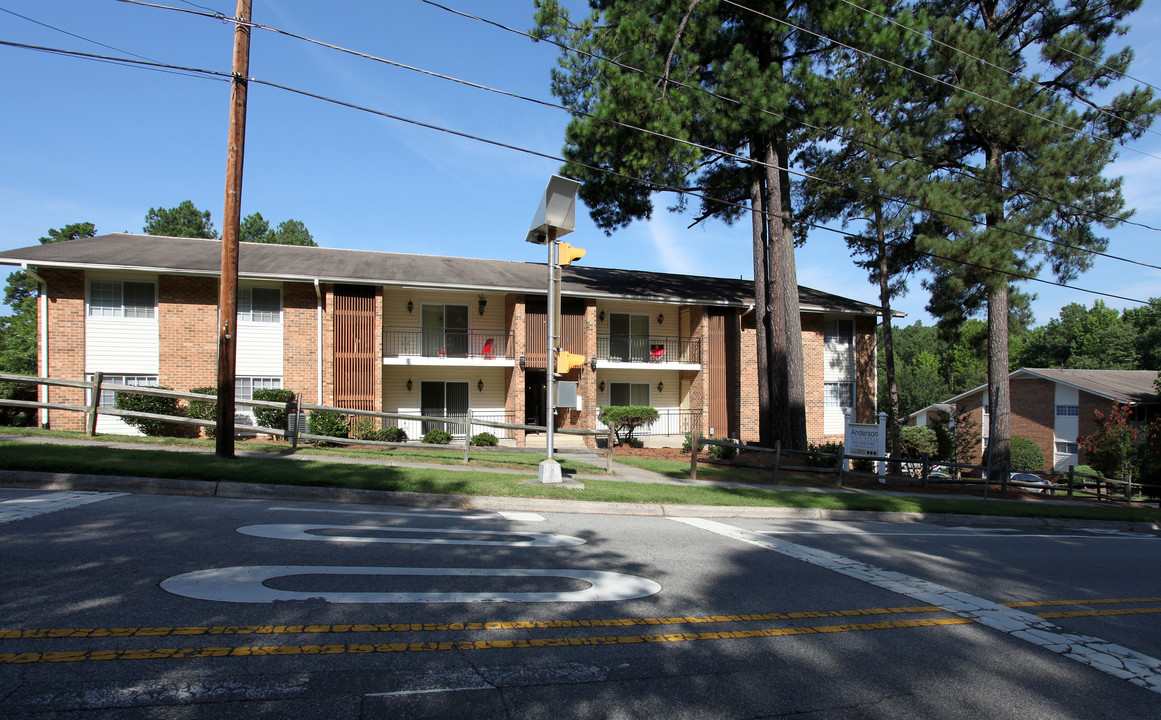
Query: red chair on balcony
[[486, 351], [657, 352]]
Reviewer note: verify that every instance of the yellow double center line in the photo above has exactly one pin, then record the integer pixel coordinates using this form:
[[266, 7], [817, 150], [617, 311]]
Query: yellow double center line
[[447, 645]]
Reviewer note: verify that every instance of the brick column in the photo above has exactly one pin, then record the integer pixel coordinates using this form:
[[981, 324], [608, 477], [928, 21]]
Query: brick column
[[65, 321], [514, 402]]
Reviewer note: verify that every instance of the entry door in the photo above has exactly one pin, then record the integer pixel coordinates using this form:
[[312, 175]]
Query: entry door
[[443, 399], [629, 337]]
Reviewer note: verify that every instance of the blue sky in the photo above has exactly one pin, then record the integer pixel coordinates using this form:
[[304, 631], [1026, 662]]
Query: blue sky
[[89, 141]]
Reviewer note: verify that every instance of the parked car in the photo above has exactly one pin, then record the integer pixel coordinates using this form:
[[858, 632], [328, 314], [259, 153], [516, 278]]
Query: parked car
[[1033, 483]]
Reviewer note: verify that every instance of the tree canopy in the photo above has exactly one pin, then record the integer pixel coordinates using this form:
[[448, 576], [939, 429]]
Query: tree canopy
[[185, 220]]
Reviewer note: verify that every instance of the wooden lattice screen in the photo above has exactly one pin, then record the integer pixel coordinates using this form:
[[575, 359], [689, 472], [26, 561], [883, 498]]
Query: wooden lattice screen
[[355, 355]]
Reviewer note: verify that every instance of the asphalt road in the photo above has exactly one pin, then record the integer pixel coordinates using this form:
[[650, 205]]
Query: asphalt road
[[147, 606]]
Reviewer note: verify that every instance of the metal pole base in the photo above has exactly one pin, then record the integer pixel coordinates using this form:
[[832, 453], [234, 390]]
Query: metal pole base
[[549, 472]]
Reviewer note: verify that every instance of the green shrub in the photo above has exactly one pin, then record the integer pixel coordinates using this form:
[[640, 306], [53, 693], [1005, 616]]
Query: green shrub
[[149, 404], [17, 416], [863, 465], [204, 409], [832, 449], [626, 418], [274, 418], [722, 452], [484, 439], [1080, 473], [364, 429], [393, 434], [1026, 455], [436, 436], [687, 446], [331, 424], [917, 440]]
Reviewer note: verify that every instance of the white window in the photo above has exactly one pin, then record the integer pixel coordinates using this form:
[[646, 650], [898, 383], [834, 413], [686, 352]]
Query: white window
[[107, 396], [839, 333], [839, 395], [1067, 448], [259, 304], [244, 387], [629, 394], [1067, 411], [629, 337], [118, 298]]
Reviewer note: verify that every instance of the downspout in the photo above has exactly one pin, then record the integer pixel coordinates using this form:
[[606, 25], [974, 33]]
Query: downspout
[[318, 342], [42, 326]]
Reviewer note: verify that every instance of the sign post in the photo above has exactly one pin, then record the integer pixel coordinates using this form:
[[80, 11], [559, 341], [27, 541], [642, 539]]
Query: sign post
[[868, 439]]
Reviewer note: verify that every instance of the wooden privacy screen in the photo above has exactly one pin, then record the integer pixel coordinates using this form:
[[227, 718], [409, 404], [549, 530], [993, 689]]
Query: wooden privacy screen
[[356, 358], [572, 330]]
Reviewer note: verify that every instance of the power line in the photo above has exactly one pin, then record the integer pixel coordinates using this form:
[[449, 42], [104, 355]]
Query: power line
[[870, 193], [535, 153], [991, 64], [1103, 66], [1078, 131], [126, 62], [825, 131]]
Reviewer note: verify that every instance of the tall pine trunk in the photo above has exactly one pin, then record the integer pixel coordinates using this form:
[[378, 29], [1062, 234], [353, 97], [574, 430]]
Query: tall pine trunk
[[761, 295]]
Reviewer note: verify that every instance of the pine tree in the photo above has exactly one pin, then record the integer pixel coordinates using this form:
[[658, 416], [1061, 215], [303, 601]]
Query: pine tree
[[1022, 155], [671, 58]]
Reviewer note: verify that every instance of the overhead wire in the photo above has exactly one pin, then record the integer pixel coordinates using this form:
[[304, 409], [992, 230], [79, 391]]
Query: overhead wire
[[1078, 131], [991, 64], [431, 126], [826, 131]]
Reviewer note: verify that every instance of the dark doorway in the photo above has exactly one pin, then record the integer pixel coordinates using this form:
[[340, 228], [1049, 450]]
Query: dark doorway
[[535, 383]]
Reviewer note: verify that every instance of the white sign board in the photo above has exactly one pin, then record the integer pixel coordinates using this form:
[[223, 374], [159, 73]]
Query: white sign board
[[868, 439]]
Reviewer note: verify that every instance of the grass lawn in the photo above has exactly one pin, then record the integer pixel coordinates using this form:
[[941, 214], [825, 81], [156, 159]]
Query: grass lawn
[[282, 471]]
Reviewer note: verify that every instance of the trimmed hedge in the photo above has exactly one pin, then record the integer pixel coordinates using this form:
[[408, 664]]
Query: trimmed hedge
[[435, 436], [332, 424], [627, 418], [275, 418], [204, 409], [485, 439], [149, 404], [1026, 455]]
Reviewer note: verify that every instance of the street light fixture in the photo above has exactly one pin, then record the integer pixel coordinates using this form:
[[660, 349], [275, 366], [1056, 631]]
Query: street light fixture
[[555, 216]]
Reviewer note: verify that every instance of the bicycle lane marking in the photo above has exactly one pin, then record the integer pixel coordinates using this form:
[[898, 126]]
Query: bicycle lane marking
[[23, 508], [1115, 660]]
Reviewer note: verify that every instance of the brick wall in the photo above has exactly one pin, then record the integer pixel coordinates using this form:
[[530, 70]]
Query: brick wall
[[1034, 414], [974, 405], [699, 330], [187, 322], [812, 345], [300, 340], [748, 400], [514, 403], [65, 309], [866, 389]]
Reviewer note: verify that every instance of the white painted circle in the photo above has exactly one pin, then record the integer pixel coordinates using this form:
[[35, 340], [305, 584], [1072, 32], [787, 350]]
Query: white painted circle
[[244, 584], [297, 531]]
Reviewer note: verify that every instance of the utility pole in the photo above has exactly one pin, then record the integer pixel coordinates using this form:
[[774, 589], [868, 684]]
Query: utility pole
[[231, 217]]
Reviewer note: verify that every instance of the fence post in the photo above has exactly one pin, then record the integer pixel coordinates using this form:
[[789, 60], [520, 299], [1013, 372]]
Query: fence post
[[297, 407], [694, 436], [1071, 470], [467, 440], [1129, 489], [842, 465], [609, 450], [94, 401], [926, 468], [777, 457]]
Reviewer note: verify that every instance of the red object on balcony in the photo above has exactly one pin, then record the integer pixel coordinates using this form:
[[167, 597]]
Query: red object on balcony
[[657, 351], [487, 349]]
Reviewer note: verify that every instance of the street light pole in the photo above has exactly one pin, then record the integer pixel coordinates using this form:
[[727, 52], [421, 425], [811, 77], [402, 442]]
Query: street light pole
[[550, 346]]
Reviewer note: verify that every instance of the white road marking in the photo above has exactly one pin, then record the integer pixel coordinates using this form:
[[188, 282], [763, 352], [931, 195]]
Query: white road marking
[[245, 585], [968, 534], [305, 532], [21, 508], [447, 514], [432, 690], [1118, 661]]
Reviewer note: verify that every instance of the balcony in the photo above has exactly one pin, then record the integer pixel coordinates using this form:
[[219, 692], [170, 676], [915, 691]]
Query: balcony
[[674, 353], [417, 346]]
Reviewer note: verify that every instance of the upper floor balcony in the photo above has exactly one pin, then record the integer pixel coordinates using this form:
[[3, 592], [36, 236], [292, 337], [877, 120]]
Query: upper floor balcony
[[439, 346], [627, 351]]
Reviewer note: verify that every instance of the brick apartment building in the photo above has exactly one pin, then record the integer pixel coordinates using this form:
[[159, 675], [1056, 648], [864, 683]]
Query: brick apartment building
[[1053, 407], [438, 336]]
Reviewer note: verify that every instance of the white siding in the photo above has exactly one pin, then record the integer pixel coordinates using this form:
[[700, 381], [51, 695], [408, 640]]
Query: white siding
[[259, 349], [1066, 427], [126, 346], [398, 399]]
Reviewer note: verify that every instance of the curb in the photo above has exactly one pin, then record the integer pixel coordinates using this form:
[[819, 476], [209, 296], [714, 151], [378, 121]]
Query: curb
[[255, 491]]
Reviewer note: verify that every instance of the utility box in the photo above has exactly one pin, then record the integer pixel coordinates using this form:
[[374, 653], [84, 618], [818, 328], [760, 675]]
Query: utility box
[[566, 395]]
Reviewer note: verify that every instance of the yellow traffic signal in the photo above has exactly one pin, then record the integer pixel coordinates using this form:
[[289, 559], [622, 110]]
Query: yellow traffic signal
[[566, 361], [566, 253]]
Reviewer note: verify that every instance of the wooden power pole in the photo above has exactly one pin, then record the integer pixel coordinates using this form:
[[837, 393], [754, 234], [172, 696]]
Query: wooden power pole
[[231, 218]]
